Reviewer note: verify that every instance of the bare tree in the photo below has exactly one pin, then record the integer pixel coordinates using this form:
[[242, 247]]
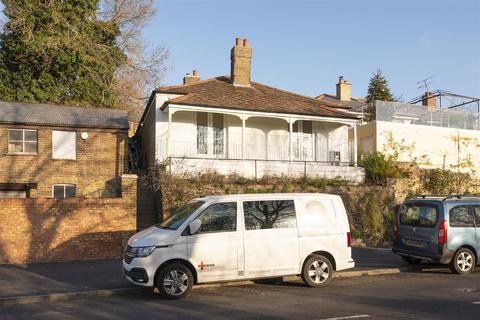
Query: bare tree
[[145, 65]]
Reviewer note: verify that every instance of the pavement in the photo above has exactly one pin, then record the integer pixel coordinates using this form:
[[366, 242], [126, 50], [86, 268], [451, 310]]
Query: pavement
[[68, 280]]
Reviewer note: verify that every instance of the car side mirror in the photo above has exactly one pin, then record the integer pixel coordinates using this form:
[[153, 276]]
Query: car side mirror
[[194, 226]]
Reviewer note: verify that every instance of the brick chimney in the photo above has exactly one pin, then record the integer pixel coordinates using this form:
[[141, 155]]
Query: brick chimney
[[191, 79], [241, 58], [344, 90], [429, 101]]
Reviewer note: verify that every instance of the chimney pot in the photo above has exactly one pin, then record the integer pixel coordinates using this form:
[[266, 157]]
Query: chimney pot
[[245, 43], [191, 79], [238, 41]]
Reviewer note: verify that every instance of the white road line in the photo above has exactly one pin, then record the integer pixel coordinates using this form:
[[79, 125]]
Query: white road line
[[476, 302], [349, 317]]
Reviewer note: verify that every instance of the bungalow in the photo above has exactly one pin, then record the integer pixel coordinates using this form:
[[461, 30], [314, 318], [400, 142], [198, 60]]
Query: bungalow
[[231, 124], [60, 151]]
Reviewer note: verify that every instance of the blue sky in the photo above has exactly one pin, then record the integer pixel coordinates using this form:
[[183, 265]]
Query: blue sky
[[303, 46]]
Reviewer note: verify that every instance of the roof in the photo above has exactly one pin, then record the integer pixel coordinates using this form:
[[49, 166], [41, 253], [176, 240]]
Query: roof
[[265, 196], [219, 92], [331, 100], [61, 115]]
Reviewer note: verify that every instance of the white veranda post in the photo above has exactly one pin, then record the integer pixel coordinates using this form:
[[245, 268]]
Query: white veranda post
[[355, 155]]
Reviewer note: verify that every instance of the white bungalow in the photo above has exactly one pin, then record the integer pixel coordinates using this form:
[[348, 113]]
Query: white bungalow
[[234, 125]]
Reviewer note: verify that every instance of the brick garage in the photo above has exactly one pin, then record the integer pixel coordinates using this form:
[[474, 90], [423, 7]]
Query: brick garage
[[46, 230]]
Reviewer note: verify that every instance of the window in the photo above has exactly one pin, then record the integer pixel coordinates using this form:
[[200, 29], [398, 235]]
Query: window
[[180, 215], [22, 141], [219, 217], [218, 134], [64, 145], [61, 191], [419, 215], [476, 210], [202, 132], [269, 214], [461, 216]]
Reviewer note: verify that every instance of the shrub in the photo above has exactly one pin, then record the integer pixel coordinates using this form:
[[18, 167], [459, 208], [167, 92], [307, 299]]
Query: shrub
[[379, 167], [443, 181]]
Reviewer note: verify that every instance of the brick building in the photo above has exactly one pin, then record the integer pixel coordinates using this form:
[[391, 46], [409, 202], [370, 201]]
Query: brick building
[[60, 151]]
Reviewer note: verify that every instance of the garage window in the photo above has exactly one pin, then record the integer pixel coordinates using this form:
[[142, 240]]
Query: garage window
[[64, 145], [61, 191], [22, 141]]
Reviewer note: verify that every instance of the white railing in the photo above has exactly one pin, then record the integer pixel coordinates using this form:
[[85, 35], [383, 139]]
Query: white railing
[[336, 153]]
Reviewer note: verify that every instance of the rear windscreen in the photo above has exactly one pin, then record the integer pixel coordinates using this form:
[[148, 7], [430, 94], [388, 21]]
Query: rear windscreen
[[418, 215]]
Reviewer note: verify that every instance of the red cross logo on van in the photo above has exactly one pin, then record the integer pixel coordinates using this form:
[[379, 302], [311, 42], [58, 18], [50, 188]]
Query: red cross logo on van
[[205, 265]]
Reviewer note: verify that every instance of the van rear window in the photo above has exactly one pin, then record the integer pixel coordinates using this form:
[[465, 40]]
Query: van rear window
[[419, 215]]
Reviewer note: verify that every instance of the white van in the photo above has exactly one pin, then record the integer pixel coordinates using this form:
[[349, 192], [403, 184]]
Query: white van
[[238, 237]]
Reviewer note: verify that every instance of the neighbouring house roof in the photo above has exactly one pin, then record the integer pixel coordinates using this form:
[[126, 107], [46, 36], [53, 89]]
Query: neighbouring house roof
[[61, 115], [219, 92], [331, 100]]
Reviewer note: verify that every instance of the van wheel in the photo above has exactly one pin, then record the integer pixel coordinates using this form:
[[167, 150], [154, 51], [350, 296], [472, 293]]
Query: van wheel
[[411, 260], [463, 262], [317, 271], [174, 281]]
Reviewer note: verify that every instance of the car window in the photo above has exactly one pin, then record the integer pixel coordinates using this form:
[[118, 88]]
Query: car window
[[219, 217], [180, 215], [269, 214], [476, 210], [461, 216], [418, 215]]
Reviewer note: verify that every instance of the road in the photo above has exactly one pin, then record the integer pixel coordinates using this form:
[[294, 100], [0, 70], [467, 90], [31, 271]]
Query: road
[[424, 295]]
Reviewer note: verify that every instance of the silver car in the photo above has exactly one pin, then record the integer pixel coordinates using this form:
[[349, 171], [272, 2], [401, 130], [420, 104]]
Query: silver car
[[440, 229]]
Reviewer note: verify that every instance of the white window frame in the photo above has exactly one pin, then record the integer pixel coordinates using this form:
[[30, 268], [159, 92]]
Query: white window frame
[[57, 157], [64, 185], [210, 139], [22, 141]]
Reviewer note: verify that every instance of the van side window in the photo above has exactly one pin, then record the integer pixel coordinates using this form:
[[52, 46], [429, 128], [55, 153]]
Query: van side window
[[476, 209], [461, 216], [219, 217], [269, 214]]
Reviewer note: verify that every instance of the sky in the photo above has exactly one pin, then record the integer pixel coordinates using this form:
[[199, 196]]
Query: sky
[[303, 46]]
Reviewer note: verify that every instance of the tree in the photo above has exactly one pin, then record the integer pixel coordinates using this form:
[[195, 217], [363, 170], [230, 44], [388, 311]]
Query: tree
[[84, 52], [378, 88]]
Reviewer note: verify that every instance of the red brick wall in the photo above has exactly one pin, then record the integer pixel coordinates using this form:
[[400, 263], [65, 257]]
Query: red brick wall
[[46, 230]]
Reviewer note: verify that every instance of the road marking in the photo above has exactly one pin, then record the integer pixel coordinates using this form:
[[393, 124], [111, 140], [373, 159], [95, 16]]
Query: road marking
[[476, 302], [349, 317]]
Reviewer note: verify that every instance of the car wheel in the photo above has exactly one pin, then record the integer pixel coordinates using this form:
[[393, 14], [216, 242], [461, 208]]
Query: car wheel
[[411, 260], [174, 281], [317, 271], [463, 262]]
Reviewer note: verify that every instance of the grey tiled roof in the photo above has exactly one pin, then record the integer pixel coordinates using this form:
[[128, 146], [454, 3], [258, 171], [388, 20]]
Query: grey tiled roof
[[60, 115]]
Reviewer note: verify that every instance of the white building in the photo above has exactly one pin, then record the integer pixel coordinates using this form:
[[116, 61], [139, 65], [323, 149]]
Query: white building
[[233, 125], [433, 137]]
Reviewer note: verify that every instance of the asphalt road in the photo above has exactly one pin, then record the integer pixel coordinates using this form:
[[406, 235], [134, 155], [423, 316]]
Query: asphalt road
[[426, 295]]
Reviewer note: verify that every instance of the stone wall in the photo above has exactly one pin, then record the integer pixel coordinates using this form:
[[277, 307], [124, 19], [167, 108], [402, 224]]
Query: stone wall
[[47, 230]]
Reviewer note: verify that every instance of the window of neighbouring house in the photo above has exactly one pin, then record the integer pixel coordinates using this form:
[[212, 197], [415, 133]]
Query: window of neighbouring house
[[22, 141], [64, 145], [202, 132], [61, 191], [218, 134]]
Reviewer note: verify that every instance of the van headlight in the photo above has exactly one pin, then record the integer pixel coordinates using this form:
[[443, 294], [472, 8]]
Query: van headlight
[[139, 252]]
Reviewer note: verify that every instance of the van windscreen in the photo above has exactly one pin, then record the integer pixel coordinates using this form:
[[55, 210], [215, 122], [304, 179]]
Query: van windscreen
[[421, 215], [180, 215]]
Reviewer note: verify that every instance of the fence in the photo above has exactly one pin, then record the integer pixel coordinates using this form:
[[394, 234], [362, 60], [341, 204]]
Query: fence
[[422, 115]]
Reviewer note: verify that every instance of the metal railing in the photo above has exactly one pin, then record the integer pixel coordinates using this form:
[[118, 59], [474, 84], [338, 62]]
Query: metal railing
[[336, 154], [422, 115]]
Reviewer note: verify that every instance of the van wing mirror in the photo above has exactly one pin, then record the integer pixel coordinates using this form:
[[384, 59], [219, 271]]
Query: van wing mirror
[[194, 226]]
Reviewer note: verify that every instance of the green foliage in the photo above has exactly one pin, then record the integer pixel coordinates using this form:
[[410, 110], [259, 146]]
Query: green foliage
[[379, 167], [59, 52], [442, 181], [378, 88]]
